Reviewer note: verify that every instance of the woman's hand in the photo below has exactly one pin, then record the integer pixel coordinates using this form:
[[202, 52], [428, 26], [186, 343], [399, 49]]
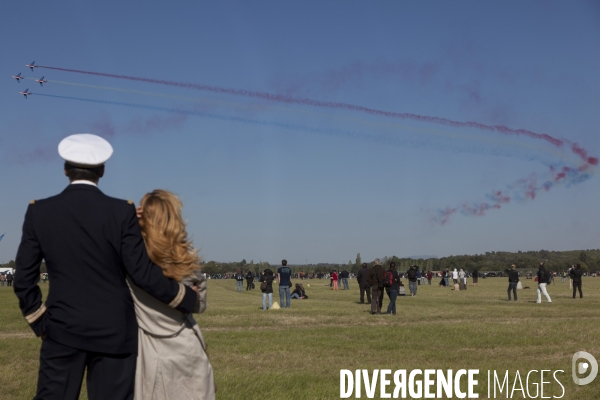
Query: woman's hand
[[139, 212]]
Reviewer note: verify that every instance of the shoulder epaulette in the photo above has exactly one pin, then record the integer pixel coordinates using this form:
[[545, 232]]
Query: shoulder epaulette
[[129, 201], [32, 202]]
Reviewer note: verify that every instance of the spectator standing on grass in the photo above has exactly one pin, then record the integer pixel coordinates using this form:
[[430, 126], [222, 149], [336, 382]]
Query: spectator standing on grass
[[239, 281], [412, 279], [363, 282], [284, 278], [575, 275], [2, 279], [249, 280], [267, 276], [455, 276], [447, 277], [570, 279], [9, 279], [429, 276], [392, 291], [513, 281], [443, 279], [475, 277], [376, 274], [462, 277], [345, 275], [543, 277], [334, 280]]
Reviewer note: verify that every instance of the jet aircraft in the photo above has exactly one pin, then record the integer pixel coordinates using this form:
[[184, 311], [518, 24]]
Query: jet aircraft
[[32, 65], [18, 77], [26, 93], [41, 81]]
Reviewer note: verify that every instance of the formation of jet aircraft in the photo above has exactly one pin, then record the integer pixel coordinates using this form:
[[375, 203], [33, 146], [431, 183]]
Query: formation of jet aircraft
[[20, 77]]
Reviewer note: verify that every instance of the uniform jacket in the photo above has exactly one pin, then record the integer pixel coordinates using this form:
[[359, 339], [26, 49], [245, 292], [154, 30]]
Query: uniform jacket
[[90, 242]]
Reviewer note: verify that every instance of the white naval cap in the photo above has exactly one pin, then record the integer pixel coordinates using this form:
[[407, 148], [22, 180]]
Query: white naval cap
[[85, 150]]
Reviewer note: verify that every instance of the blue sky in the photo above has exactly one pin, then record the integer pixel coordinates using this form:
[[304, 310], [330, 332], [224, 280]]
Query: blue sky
[[266, 180]]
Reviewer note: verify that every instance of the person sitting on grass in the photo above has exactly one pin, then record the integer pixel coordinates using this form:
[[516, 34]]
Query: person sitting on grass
[[299, 292]]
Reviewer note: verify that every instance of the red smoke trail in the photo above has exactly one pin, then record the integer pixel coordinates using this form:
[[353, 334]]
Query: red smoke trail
[[522, 190], [352, 107]]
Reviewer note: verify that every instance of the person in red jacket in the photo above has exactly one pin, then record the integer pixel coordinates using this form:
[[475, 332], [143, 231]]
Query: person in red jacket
[[334, 277]]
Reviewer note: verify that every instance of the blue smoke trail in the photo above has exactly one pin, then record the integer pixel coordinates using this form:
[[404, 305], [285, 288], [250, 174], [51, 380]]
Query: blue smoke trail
[[212, 116], [445, 142]]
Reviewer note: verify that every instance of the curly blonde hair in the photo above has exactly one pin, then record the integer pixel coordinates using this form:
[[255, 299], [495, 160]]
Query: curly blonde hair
[[165, 235]]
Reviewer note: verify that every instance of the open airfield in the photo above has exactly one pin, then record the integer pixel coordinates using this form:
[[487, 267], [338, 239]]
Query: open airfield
[[297, 353]]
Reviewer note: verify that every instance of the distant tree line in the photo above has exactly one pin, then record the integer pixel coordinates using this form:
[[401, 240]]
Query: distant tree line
[[500, 260]]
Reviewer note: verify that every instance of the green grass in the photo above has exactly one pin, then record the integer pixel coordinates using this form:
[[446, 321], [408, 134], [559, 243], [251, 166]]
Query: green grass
[[297, 353]]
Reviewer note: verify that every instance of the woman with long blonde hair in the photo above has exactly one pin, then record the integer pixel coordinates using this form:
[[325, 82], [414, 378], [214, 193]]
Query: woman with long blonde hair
[[172, 362]]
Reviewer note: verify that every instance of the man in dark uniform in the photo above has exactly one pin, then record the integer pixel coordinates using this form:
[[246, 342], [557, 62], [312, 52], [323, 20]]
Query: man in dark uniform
[[363, 282], [9, 279], [90, 243], [376, 274]]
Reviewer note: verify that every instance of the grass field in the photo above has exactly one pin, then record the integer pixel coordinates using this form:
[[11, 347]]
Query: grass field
[[297, 353]]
